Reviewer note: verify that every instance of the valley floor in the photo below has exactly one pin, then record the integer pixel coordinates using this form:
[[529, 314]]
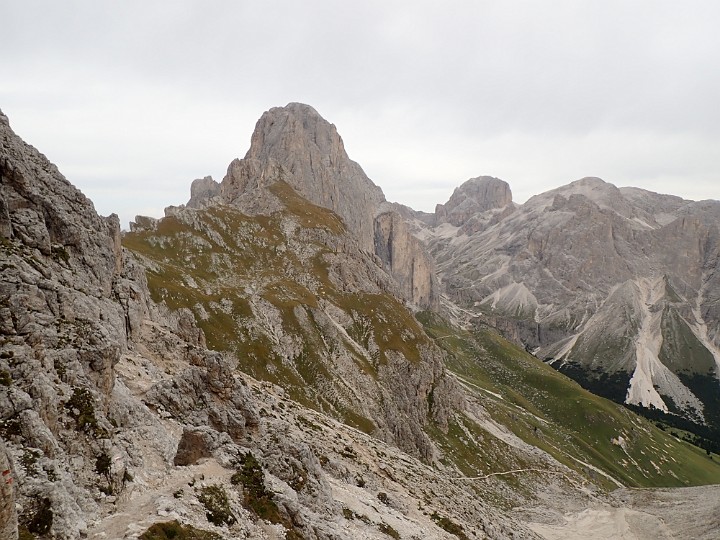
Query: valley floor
[[642, 514]]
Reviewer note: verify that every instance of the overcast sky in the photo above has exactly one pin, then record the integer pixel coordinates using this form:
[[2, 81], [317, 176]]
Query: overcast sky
[[134, 99]]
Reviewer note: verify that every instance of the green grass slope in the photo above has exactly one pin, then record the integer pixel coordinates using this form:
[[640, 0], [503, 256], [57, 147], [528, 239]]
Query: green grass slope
[[550, 411]]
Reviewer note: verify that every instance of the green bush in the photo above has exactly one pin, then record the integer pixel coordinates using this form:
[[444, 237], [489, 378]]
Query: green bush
[[255, 496], [217, 505], [102, 465], [173, 530], [387, 529], [81, 407], [449, 526], [41, 521]]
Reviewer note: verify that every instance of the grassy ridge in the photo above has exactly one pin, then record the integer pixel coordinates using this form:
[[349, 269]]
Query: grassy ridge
[[258, 285]]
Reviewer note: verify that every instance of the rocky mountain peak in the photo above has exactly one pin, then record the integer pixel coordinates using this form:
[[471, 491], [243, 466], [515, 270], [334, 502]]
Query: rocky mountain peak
[[297, 145], [595, 189], [293, 129], [591, 181], [588, 192], [476, 195]]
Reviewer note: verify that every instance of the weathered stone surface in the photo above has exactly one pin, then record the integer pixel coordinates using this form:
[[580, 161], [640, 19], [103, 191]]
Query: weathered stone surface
[[404, 258], [202, 191], [209, 394], [476, 195], [8, 514], [195, 443], [295, 144]]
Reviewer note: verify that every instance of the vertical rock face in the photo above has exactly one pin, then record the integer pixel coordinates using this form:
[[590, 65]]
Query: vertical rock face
[[402, 254], [296, 145], [63, 327]]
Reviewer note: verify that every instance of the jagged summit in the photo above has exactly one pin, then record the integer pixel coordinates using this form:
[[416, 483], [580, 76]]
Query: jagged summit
[[476, 195], [202, 191], [294, 128], [297, 145]]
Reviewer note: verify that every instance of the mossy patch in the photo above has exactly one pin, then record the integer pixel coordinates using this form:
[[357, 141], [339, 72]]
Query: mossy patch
[[309, 215], [449, 525], [256, 497], [174, 530], [389, 530], [81, 407]]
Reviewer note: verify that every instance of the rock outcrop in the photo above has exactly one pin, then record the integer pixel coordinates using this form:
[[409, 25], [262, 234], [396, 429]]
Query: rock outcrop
[[296, 145], [8, 513], [474, 196], [403, 255], [64, 328], [202, 192]]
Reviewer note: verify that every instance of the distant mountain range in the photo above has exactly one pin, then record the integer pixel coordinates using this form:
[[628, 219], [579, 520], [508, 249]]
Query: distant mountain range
[[618, 288]]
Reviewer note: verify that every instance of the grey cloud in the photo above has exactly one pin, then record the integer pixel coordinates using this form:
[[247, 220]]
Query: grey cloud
[[423, 92]]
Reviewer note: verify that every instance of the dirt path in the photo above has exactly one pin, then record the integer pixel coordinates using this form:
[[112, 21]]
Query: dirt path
[[643, 514], [139, 508]]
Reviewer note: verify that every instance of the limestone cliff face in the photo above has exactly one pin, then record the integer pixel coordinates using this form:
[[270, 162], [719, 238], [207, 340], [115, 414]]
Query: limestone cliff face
[[403, 255], [202, 192], [296, 145], [64, 326]]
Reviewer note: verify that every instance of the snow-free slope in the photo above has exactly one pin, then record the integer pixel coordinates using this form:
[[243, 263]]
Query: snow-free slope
[[617, 287]]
